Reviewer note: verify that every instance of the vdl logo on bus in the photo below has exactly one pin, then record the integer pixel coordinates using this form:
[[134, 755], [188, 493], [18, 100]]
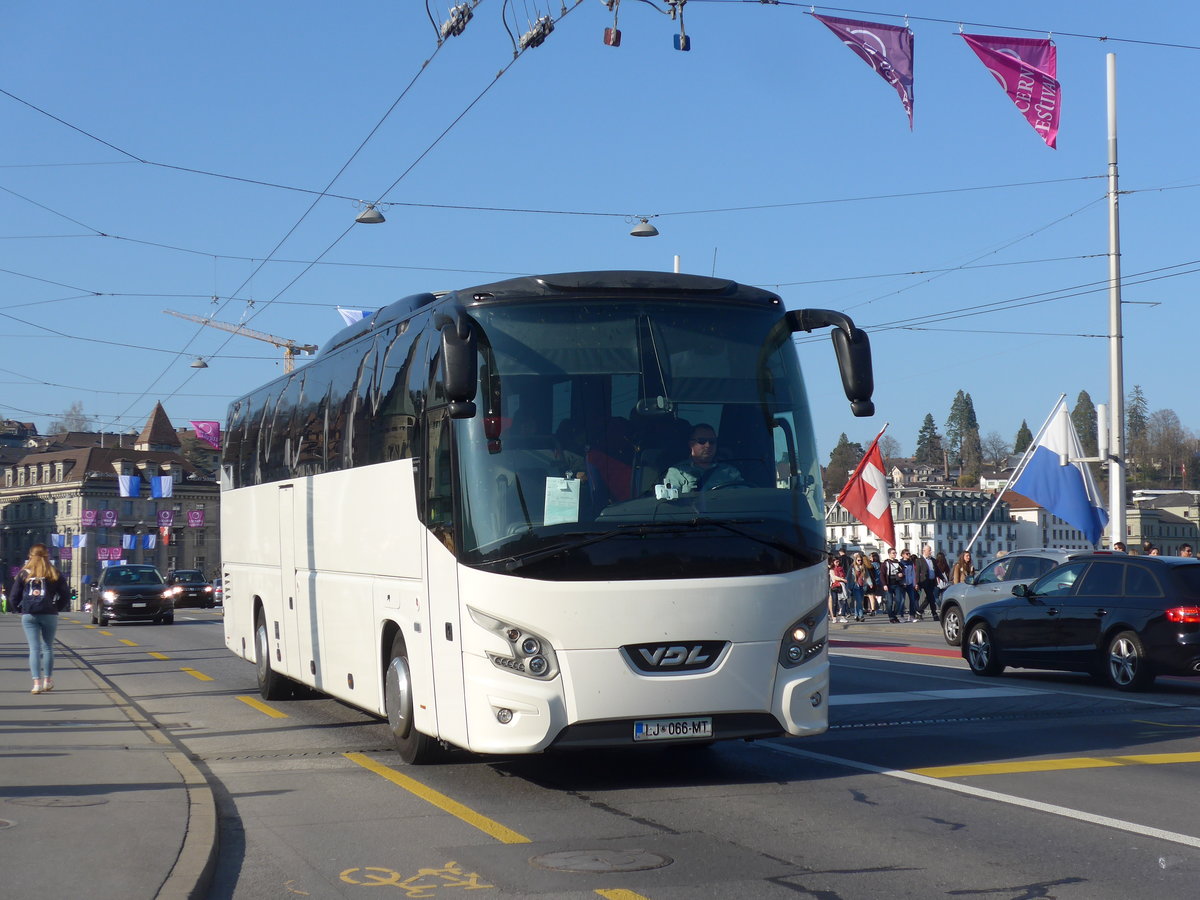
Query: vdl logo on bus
[[662, 659]]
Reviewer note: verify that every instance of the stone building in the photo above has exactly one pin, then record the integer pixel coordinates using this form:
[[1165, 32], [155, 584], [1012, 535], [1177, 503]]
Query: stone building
[[945, 518], [73, 495]]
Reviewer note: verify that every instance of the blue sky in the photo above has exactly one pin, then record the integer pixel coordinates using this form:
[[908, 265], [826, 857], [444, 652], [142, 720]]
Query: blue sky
[[768, 114]]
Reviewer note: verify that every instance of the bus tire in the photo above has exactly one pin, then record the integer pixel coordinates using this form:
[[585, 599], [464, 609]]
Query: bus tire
[[414, 747], [271, 685]]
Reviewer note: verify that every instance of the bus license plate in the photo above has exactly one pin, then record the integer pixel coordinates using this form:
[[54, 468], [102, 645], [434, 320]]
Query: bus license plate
[[672, 729]]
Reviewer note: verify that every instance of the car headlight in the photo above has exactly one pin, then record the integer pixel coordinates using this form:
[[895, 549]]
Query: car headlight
[[109, 596], [528, 654]]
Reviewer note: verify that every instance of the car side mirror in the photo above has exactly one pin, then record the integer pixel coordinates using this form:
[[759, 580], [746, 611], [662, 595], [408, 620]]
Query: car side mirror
[[1022, 590]]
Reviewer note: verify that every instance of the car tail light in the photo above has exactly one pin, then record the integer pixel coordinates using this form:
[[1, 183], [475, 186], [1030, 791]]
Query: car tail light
[[1184, 615]]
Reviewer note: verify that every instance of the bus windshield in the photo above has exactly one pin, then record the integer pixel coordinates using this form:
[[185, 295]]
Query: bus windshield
[[632, 439]]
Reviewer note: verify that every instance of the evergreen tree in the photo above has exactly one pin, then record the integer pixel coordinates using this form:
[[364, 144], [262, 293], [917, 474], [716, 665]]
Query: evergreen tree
[[955, 425], [1137, 423], [1083, 416], [1023, 439], [972, 459], [929, 444], [842, 460]]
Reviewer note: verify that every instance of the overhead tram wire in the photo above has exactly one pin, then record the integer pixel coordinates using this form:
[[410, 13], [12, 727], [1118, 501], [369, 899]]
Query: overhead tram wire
[[808, 8], [263, 307]]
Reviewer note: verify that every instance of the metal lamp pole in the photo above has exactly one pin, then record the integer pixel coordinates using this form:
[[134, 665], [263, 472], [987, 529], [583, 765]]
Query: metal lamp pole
[[1116, 388]]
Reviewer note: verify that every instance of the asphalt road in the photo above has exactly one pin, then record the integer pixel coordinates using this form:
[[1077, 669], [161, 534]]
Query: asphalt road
[[930, 783]]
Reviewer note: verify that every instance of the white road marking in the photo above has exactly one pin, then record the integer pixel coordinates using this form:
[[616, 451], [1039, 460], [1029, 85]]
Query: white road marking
[[1025, 803]]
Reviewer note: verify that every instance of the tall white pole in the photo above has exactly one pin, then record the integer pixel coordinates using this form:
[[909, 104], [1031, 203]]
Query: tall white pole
[[1116, 387]]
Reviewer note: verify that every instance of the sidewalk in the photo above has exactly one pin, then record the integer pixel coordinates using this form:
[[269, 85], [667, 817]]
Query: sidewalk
[[95, 800]]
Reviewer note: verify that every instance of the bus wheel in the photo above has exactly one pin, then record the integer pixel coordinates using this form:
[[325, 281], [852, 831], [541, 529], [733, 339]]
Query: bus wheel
[[271, 685], [415, 748]]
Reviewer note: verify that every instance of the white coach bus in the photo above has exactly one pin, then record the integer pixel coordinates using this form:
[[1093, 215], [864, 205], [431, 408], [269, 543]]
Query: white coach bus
[[455, 517]]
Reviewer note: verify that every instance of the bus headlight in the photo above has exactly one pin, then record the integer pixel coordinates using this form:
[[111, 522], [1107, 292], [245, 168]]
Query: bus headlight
[[800, 642], [528, 654]]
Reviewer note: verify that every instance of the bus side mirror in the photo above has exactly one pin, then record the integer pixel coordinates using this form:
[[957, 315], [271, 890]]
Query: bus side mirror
[[853, 350], [460, 363]]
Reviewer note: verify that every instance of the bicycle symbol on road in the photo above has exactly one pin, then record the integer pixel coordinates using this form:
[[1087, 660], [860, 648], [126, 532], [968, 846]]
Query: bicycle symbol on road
[[421, 885]]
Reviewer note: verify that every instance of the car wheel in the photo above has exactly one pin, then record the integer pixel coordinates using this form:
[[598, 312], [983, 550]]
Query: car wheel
[[169, 619], [1125, 665], [952, 625], [982, 654], [95, 621], [103, 623], [271, 685], [415, 748]]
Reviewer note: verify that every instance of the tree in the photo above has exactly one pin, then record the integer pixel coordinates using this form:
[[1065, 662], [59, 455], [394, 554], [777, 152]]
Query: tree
[[1023, 439], [929, 444], [889, 447], [73, 418], [972, 459], [1137, 418], [1169, 441], [1083, 417], [960, 423], [842, 460], [996, 450]]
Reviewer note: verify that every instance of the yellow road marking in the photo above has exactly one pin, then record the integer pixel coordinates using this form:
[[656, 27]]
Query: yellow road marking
[[263, 708], [1057, 765], [440, 800], [195, 674], [107, 633], [129, 642], [618, 894], [157, 655]]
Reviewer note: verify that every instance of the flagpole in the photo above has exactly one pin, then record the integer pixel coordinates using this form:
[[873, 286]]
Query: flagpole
[[1116, 389], [1024, 461]]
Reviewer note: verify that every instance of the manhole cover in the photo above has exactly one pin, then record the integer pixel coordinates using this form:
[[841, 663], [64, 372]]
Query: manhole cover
[[57, 801], [601, 861]]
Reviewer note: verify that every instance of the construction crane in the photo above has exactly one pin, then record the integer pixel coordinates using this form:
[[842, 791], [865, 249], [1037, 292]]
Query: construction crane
[[290, 347]]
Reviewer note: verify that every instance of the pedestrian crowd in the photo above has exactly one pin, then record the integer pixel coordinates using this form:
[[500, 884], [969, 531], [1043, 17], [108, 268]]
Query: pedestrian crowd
[[904, 586]]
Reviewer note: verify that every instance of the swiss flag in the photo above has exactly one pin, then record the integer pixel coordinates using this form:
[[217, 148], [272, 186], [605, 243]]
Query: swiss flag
[[865, 495]]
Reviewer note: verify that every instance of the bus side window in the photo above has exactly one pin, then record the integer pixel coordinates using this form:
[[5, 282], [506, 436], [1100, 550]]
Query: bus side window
[[439, 499]]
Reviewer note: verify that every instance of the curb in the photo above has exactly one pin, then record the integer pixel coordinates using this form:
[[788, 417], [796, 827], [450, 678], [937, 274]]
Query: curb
[[192, 872]]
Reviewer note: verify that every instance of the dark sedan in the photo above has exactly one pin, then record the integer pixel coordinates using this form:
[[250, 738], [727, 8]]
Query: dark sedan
[[1124, 619], [132, 594], [192, 589]]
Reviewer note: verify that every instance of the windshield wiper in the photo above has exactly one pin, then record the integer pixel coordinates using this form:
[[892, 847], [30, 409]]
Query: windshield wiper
[[526, 559], [790, 549]]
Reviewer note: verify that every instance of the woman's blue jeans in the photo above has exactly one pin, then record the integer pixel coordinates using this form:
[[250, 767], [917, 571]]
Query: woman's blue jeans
[[39, 632]]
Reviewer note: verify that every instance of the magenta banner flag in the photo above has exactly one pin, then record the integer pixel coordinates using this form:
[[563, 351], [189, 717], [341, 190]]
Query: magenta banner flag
[[166, 518], [888, 49], [1027, 69], [89, 518], [195, 518], [108, 518], [209, 432]]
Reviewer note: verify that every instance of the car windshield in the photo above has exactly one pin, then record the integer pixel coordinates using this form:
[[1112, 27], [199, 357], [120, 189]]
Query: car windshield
[[187, 575], [132, 576]]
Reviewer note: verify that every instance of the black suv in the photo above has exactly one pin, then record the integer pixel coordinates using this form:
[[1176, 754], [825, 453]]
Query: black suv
[[132, 594], [192, 589]]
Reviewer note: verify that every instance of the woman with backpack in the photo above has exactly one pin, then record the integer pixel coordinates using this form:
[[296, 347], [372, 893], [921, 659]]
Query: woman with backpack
[[39, 593]]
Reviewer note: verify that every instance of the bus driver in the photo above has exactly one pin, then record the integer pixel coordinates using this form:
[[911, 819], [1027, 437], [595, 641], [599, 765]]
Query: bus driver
[[701, 471]]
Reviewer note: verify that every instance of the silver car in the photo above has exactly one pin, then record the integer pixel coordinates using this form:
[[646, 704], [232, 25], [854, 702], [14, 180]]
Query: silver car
[[995, 582]]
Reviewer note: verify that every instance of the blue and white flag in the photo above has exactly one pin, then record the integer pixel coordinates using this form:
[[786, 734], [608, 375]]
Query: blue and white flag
[[1068, 490], [350, 316], [162, 486], [148, 541], [128, 541], [56, 540], [79, 540], [130, 485]]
